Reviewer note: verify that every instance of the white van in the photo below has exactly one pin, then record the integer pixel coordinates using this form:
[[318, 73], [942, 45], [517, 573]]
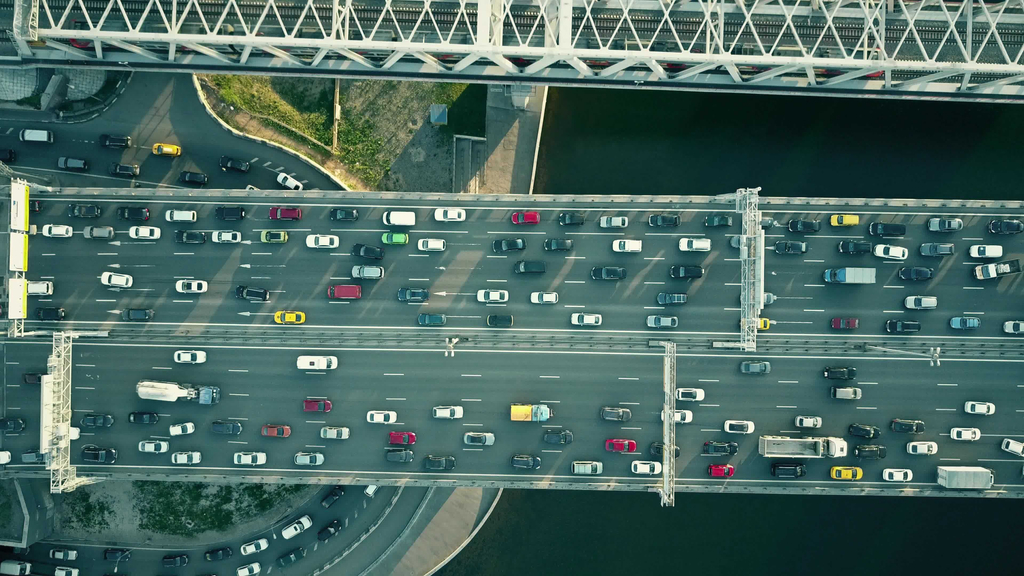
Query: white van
[[371, 490], [40, 288], [29, 135], [180, 215], [587, 467], [15, 567], [317, 362], [399, 218]]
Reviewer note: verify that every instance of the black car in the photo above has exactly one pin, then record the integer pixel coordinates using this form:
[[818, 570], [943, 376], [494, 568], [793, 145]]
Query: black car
[[902, 326], [84, 211], [230, 213], [719, 447], [189, 237], [137, 315], [115, 141], [93, 453], [1006, 227], [840, 372], [869, 451], [571, 219], [615, 414], [607, 273], [864, 431], [344, 214], [12, 424], [508, 245], [916, 273], [331, 529], [229, 163], [34, 205], [291, 557], [143, 418], [226, 427], [671, 298], [118, 169], [31, 378], [72, 164], [657, 449], [562, 244], [50, 313], [788, 470], [663, 220], [938, 249], [218, 554], [117, 554], [402, 455], [439, 462], [716, 220], [413, 294], [7, 155], [196, 178], [529, 267], [683, 272], [790, 247], [97, 421], [252, 293], [332, 496], [558, 436], [431, 319], [887, 229], [175, 560], [369, 252], [499, 320], [137, 213], [907, 426], [805, 226], [525, 461], [855, 247]]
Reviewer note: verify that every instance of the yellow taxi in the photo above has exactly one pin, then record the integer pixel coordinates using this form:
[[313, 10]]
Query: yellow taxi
[[844, 220], [763, 323], [847, 473], [289, 317], [166, 150]]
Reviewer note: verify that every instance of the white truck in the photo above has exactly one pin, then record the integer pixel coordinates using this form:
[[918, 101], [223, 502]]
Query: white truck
[[849, 275], [172, 392], [988, 271], [786, 447], [966, 477]]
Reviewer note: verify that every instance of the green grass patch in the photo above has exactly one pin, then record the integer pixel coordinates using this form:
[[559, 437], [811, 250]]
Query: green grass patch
[[84, 511], [303, 110]]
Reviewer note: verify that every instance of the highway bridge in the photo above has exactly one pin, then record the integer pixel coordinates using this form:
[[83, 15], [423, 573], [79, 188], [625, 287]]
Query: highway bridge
[[924, 49], [388, 362]]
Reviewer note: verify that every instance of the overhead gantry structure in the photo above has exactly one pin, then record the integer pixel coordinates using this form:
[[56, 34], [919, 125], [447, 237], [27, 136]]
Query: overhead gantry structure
[[962, 50]]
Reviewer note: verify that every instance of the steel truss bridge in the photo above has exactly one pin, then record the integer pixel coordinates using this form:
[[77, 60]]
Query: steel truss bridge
[[923, 49]]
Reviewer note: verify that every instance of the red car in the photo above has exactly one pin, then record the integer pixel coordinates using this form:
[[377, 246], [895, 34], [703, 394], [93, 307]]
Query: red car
[[402, 437], [526, 217], [284, 213], [845, 323], [316, 405], [619, 445], [276, 431], [721, 470]]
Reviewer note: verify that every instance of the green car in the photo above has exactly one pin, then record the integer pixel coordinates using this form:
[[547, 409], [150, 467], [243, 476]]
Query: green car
[[394, 238], [274, 237]]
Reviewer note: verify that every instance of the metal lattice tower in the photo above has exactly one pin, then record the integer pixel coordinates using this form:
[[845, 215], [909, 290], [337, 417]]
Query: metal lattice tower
[[668, 453], [751, 267], [56, 434]]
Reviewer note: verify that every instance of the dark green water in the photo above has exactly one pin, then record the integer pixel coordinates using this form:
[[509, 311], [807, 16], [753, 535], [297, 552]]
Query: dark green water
[[624, 142]]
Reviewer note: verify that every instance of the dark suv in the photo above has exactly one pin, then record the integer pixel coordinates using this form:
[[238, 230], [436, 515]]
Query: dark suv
[[137, 213], [93, 453], [663, 220], [788, 470], [1005, 227], [137, 315], [571, 219], [855, 247], [370, 252], [344, 214], [671, 298], [189, 237], [529, 267], [907, 426], [252, 293], [558, 436], [887, 229], [118, 554], [615, 414], [332, 496], [508, 245], [840, 372], [902, 326], [439, 462], [718, 447], [684, 272], [804, 226], [864, 431], [229, 163], [398, 455], [196, 178], [499, 320], [869, 451], [118, 169], [607, 273], [716, 220], [226, 427], [143, 417], [84, 211], [562, 244], [230, 212], [115, 141]]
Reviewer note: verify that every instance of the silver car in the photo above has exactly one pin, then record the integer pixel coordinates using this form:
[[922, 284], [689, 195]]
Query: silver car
[[656, 321], [755, 367], [309, 459], [478, 438]]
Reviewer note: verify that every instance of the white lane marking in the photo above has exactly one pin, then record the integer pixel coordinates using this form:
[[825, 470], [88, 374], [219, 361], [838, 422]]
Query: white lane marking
[[239, 370], [471, 375], [789, 381], [396, 399], [867, 408], [893, 311], [654, 283], [182, 301], [654, 258], [627, 378], [630, 403], [945, 409], [973, 287], [785, 406], [575, 282], [707, 380], [809, 310], [814, 285], [940, 384], [816, 261], [85, 365], [732, 284], [162, 368], [974, 313], [892, 286], [555, 377], [471, 400]]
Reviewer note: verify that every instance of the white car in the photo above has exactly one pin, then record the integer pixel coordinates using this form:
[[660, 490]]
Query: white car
[[922, 448], [191, 286], [739, 426], [189, 356], [897, 475], [983, 408], [5, 457], [986, 251], [250, 569], [295, 528], [965, 434], [288, 182], [144, 232], [250, 458], [1013, 447], [316, 362], [808, 421], [182, 429], [613, 221], [154, 446], [63, 554], [226, 237], [65, 571], [322, 241], [645, 467], [627, 245], [478, 438], [544, 297], [447, 412], [450, 215], [1013, 327], [381, 417], [116, 280], [690, 394], [308, 459], [680, 416], [585, 319], [186, 457], [920, 302], [431, 245], [491, 296], [254, 547], [890, 252], [58, 231], [334, 432], [694, 244], [180, 216]]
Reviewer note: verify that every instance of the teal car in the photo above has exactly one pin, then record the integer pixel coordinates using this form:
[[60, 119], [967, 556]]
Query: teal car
[[394, 238], [274, 237]]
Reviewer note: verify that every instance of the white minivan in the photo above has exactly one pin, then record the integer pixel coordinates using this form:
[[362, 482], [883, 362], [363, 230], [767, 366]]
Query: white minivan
[[316, 362], [30, 135], [180, 216], [399, 218], [40, 288]]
